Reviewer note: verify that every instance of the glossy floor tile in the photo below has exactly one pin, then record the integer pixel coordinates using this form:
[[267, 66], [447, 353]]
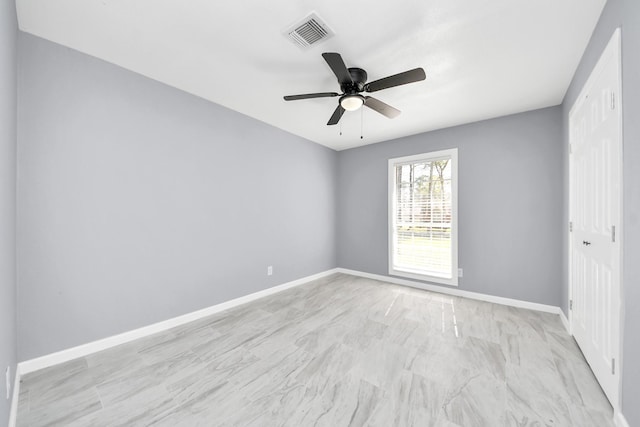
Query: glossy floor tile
[[340, 351]]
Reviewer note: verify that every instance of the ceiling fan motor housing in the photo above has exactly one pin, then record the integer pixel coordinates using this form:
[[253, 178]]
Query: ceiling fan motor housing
[[359, 77]]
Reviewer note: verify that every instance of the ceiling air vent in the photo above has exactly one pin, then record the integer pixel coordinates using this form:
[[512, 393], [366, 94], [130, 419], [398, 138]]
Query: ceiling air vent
[[309, 31]]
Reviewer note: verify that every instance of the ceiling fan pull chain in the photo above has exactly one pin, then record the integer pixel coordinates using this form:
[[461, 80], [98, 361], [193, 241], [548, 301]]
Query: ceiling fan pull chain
[[340, 128], [361, 121]]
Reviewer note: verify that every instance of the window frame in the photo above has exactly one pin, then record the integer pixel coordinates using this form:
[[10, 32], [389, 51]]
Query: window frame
[[425, 157]]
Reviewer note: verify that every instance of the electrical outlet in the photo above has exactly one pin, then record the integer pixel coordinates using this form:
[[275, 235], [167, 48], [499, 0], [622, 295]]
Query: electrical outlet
[[459, 272], [7, 377], [270, 270]]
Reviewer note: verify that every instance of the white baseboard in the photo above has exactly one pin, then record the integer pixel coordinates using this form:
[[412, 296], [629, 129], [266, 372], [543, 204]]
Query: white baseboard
[[619, 420], [456, 292], [66, 355], [13, 412], [565, 322]]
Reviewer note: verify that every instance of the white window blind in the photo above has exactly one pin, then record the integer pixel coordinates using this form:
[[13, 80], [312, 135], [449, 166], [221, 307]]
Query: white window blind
[[422, 216]]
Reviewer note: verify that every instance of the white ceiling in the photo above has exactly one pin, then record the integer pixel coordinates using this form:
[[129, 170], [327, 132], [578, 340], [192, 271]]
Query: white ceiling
[[483, 58]]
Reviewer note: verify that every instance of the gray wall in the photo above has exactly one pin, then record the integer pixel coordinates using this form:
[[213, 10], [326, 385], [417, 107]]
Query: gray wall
[[625, 14], [510, 203], [139, 202], [8, 34]]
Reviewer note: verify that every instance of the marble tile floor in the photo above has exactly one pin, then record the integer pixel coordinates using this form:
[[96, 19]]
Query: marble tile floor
[[339, 351]]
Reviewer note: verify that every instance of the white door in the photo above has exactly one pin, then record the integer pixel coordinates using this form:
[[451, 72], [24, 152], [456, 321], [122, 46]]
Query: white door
[[595, 215]]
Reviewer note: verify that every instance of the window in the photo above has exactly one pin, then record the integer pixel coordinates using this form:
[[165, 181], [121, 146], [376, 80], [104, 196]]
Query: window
[[422, 217]]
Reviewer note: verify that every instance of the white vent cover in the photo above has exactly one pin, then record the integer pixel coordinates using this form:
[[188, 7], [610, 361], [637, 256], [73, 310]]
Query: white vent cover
[[309, 31]]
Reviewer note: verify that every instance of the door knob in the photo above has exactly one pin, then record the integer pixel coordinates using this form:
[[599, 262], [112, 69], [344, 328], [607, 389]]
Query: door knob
[[584, 242]]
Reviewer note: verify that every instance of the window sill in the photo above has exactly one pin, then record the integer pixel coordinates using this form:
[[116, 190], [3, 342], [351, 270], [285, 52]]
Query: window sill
[[425, 278]]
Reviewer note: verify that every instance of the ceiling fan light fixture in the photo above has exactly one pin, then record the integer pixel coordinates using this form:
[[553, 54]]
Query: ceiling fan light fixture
[[351, 102]]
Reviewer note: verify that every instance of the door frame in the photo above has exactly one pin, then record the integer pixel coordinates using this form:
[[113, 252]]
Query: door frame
[[614, 47]]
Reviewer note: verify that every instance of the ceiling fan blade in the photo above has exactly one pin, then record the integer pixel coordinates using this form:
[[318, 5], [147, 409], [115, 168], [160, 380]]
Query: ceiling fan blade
[[310, 95], [337, 66], [382, 108], [410, 76], [335, 117]]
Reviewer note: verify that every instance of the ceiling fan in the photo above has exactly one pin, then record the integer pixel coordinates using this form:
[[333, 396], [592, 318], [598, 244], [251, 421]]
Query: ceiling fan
[[353, 82]]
